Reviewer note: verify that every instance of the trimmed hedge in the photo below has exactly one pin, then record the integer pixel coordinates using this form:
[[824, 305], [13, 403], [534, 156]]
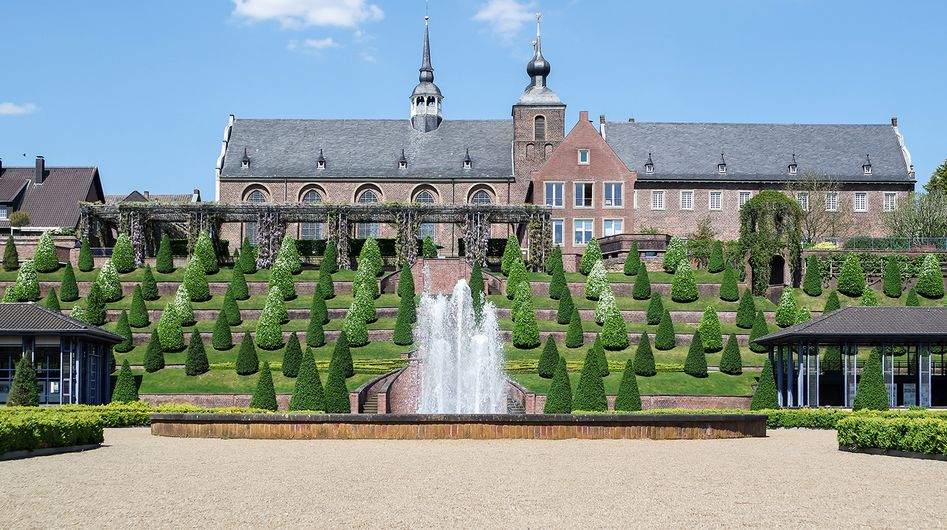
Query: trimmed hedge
[[633, 260], [642, 288], [851, 279], [196, 361], [68, 288], [559, 398], [591, 254], [746, 310], [927, 435], [812, 280], [644, 357], [629, 397], [655, 309], [549, 359], [38, 429]]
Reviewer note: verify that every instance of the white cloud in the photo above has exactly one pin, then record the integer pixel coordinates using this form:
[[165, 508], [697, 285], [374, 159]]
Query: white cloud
[[312, 44], [9, 109], [303, 13], [505, 17]]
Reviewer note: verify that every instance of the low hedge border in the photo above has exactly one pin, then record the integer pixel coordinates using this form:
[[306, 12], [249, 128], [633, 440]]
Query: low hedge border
[[25, 431], [528, 366], [924, 435]]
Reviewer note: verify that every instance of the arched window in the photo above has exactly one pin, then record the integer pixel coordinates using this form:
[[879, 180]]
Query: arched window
[[539, 128], [256, 197], [311, 230], [366, 230], [424, 197], [426, 229], [481, 197], [368, 197]]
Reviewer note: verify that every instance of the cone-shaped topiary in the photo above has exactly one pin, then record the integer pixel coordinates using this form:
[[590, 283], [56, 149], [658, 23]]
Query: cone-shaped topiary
[[238, 285], [597, 281], [590, 393], [154, 355], [591, 255], [803, 314], [549, 359], [289, 254], [517, 275], [525, 329], [45, 258], [108, 282], [138, 317], [765, 396], [675, 253], [354, 326], [605, 302], [149, 287], [269, 333], [709, 328], [123, 257], [264, 396], [372, 253], [632, 260], [342, 352], [912, 300], [205, 253], [183, 307], [281, 277], [811, 280], [614, 331], [600, 355], [428, 248], [628, 398], [478, 293], [24, 391], [10, 294], [760, 329], [308, 393], [892, 277], [247, 262], [655, 309], [125, 390], [683, 286], [318, 308], [869, 298], [68, 288], [95, 306], [11, 259], [511, 252], [644, 357], [851, 280], [831, 303], [716, 263], [786, 309], [27, 283], [696, 362], [222, 339], [51, 301], [230, 309], [559, 399], [164, 261], [78, 312], [86, 262], [871, 393], [731, 362], [330, 259], [337, 394], [558, 283], [276, 306], [122, 329], [729, 292], [315, 334], [664, 339], [365, 281], [554, 261], [292, 356], [566, 307], [574, 335], [169, 329], [196, 361], [746, 310], [406, 280], [196, 281], [642, 288], [325, 285], [403, 334], [364, 304], [247, 360], [930, 280]]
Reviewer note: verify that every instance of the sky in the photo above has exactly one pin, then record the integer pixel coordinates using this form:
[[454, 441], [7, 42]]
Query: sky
[[143, 89]]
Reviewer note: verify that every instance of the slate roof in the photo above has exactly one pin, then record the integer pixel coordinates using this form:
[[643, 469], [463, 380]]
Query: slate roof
[[368, 148], [136, 196], [17, 318], [755, 152], [867, 324], [55, 202]]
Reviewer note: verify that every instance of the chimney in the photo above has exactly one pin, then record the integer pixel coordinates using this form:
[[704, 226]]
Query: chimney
[[894, 121], [40, 169], [631, 120], [147, 195], [601, 126], [1, 164], [583, 115]]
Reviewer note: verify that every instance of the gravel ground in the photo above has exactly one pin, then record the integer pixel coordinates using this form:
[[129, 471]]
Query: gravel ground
[[793, 478]]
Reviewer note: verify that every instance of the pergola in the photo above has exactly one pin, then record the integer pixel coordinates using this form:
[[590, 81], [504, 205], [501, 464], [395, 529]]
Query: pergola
[[915, 333], [139, 219]]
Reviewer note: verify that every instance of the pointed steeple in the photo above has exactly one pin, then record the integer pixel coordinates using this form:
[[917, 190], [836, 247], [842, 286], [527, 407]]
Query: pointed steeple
[[426, 97], [426, 71], [538, 68]]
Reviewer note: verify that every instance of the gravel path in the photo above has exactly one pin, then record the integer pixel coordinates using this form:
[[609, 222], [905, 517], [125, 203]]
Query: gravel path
[[790, 479]]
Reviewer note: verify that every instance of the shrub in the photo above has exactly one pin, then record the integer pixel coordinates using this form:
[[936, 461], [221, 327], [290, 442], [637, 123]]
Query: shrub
[[68, 288], [337, 395], [365, 281], [183, 307], [912, 299], [892, 278], [403, 334], [566, 307], [354, 326], [477, 292], [315, 334], [597, 281], [318, 309], [644, 357], [196, 281], [276, 306], [642, 288], [511, 253], [169, 329], [24, 391], [730, 361], [930, 281], [325, 285], [343, 354], [247, 262], [832, 359], [205, 253], [281, 278], [868, 298], [709, 329], [269, 333], [123, 257], [264, 396], [871, 392], [149, 287], [786, 309], [664, 339], [716, 263], [406, 280], [138, 317], [95, 306], [803, 315], [605, 303], [554, 260], [558, 283], [238, 285], [292, 356], [729, 292], [109, 282], [308, 393], [330, 259], [196, 361], [247, 361], [765, 396], [549, 359], [831, 303], [600, 356], [428, 248], [590, 393], [230, 309], [27, 283], [10, 294], [559, 399], [632, 260], [51, 301], [222, 339], [516, 276], [154, 355], [122, 329], [164, 261], [628, 398], [574, 335], [11, 260], [683, 286], [675, 253], [614, 331], [78, 313], [46, 260], [364, 304], [927, 435], [812, 280], [696, 362], [591, 254], [125, 390], [655, 309], [372, 253], [525, 329], [851, 280], [760, 329]]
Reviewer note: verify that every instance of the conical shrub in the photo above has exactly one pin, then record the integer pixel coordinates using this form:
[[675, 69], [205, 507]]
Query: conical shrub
[[871, 392], [632, 260], [122, 329], [477, 292], [851, 280], [655, 309], [912, 300], [238, 285], [511, 253], [812, 280], [590, 393], [86, 262], [628, 398], [343, 354], [614, 331], [330, 259], [289, 254], [597, 281], [709, 328], [760, 329], [51, 301], [746, 310], [730, 361], [517, 276], [195, 280], [868, 298], [574, 335], [644, 358], [592, 254], [125, 390], [318, 309], [832, 303], [930, 279], [554, 261], [164, 260], [337, 394], [892, 277], [68, 288], [406, 280], [95, 306], [642, 288], [122, 254], [205, 253], [149, 287], [169, 329], [23, 389], [196, 361], [292, 356], [525, 328], [264, 396], [729, 292], [665, 339], [281, 277], [675, 253], [696, 362], [684, 286], [600, 356], [786, 309], [716, 263], [372, 253], [765, 396], [308, 393], [230, 309], [247, 360], [559, 399], [558, 283], [154, 355], [403, 334], [315, 334], [566, 307], [222, 338], [549, 359], [138, 317]]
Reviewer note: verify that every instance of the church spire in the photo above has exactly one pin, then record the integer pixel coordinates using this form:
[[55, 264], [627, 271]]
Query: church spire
[[426, 70], [538, 68], [426, 97]]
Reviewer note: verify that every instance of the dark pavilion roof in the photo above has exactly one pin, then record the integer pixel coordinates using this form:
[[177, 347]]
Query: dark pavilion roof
[[759, 152], [867, 325], [137, 196], [18, 318], [368, 148], [55, 202]]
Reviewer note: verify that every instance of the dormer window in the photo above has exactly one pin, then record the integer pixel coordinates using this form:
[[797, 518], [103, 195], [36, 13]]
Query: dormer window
[[402, 162], [583, 157], [649, 165], [245, 161], [722, 165], [793, 168], [866, 167], [321, 161], [467, 161]]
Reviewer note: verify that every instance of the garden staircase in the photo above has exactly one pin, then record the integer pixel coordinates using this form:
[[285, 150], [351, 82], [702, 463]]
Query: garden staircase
[[513, 406], [371, 404]]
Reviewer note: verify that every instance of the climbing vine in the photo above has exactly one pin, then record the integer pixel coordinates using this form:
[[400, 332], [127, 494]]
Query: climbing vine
[[406, 225], [770, 226], [476, 234], [539, 235]]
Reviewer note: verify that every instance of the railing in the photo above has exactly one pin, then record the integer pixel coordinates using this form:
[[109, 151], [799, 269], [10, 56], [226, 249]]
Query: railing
[[886, 243]]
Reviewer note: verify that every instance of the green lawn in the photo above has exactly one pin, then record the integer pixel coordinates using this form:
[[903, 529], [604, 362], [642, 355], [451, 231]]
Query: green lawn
[[340, 301], [671, 383], [250, 325], [626, 302], [817, 303], [372, 350], [701, 276], [175, 381], [224, 275]]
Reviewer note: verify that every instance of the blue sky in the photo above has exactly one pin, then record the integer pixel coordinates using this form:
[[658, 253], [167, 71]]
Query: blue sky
[[143, 89]]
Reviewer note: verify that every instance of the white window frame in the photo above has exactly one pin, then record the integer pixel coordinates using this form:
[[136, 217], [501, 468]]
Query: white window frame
[[432, 232], [680, 200], [3, 211], [855, 196], [710, 200], [894, 201], [605, 230], [799, 196], [562, 226], [561, 197], [591, 230], [831, 205], [588, 156], [659, 193], [575, 198], [621, 194], [740, 201], [634, 199]]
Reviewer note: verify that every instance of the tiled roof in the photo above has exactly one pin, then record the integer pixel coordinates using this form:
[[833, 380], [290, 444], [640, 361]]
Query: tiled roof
[[136, 196], [29, 317], [867, 324], [55, 202]]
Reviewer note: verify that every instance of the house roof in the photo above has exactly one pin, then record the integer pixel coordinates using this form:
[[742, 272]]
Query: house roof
[[368, 148], [867, 325], [755, 152], [55, 202], [17, 318], [137, 196]]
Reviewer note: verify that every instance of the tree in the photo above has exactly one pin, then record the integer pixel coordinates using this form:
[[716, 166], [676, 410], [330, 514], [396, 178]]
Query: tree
[[517, 275], [684, 286], [605, 302], [559, 399], [851, 280], [632, 260], [315, 334], [123, 257], [558, 283], [590, 393], [27, 283], [86, 262], [644, 358], [730, 361], [769, 226], [292, 356], [325, 285], [599, 356], [205, 254], [511, 252], [354, 326], [372, 253], [247, 360], [765, 396], [364, 280], [403, 334], [196, 361], [337, 394], [343, 354], [45, 258], [786, 309], [122, 329], [614, 331], [269, 332], [477, 292], [716, 263], [125, 390], [154, 355], [308, 393], [746, 310], [938, 181], [11, 260], [868, 298], [238, 285], [729, 291], [95, 306], [164, 260], [24, 390], [109, 282], [281, 277], [574, 335], [68, 288], [247, 262], [264, 396], [871, 392], [51, 301], [318, 309], [196, 281], [549, 359], [597, 281], [183, 307], [591, 254], [77, 312], [138, 317], [922, 215], [406, 280], [822, 213], [330, 258], [831, 303], [930, 280], [674, 254], [696, 362], [525, 329], [554, 261], [709, 329], [566, 307], [655, 309], [222, 338], [760, 329], [891, 282], [642, 288], [665, 339], [149, 287], [912, 299], [364, 303], [428, 248], [812, 281], [628, 398], [230, 309], [169, 329]]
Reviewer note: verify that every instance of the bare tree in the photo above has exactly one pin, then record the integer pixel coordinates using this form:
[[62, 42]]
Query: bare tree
[[824, 213], [923, 215]]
